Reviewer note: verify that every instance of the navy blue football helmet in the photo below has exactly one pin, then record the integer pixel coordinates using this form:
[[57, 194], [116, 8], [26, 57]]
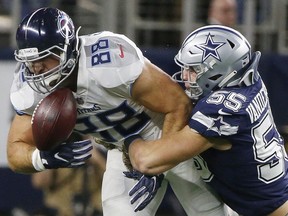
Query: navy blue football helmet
[[42, 33]]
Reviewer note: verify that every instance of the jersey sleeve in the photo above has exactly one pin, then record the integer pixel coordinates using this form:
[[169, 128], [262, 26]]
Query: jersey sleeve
[[22, 96], [112, 59], [215, 120]]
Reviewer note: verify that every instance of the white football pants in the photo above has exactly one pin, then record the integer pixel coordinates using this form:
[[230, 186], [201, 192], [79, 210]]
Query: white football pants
[[191, 191]]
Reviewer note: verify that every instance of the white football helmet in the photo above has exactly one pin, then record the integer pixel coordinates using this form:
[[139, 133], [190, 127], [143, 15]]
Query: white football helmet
[[219, 55]]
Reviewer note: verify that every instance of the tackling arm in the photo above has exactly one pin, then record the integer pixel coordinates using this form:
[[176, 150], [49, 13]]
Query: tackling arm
[[158, 92], [158, 156]]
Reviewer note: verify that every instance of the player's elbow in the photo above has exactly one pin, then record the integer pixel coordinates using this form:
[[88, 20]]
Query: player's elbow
[[19, 161]]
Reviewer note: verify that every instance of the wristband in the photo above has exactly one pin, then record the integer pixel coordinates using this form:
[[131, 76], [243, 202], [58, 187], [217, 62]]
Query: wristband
[[36, 161], [130, 139]]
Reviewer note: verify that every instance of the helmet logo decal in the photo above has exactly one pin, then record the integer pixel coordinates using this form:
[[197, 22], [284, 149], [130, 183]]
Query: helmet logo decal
[[209, 48], [65, 26]]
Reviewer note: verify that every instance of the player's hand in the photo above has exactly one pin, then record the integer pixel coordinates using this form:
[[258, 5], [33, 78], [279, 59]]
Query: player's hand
[[66, 155], [145, 189]]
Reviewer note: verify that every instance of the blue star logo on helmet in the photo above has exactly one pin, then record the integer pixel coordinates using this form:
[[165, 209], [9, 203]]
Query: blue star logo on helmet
[[65, 26], [210, 48]]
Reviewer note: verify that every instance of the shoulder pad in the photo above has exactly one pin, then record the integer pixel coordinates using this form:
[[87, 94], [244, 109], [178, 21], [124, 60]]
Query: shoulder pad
[[106, 55], [22, 97]]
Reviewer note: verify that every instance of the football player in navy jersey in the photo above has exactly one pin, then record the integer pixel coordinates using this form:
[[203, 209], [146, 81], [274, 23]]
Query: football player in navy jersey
[[119, 93], [231, 133]]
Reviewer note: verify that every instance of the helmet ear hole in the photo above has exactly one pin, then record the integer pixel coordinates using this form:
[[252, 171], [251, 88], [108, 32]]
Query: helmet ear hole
[[246, 60], [215, 77]]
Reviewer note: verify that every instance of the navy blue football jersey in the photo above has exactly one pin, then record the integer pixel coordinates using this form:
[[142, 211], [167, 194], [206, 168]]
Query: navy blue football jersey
[[251, 177]]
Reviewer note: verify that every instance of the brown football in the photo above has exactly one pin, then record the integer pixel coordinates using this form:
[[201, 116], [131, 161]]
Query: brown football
[[53, 119]]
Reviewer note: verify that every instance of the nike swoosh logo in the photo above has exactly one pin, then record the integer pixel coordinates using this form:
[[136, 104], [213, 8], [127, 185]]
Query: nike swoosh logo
[[56, 155], [221, 112], [121, 51]]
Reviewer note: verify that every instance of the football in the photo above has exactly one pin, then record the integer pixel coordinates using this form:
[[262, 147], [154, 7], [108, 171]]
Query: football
[[53, 119]]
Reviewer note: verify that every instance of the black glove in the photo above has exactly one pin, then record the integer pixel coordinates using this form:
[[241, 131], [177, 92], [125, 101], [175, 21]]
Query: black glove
[[145, 189], [69, 155]]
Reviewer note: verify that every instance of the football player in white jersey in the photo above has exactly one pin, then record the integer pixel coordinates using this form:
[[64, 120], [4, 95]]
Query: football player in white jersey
[[231, 134], [119, 93]]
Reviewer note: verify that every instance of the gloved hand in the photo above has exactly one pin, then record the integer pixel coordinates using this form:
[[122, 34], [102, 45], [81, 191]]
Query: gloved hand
[[145, 189], [69, 155]]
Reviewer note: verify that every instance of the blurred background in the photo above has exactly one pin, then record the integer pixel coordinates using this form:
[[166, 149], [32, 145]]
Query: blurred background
[[161, 23], [157, 27]]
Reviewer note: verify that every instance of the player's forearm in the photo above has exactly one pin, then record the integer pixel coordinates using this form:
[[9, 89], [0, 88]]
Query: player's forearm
[[145, 158], [20, 145], [157, 156], [20, 157]]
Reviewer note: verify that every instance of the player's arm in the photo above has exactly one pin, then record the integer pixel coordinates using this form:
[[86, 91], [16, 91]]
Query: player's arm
[[24, 157], [158, 92], [158, 156], [20, 145]]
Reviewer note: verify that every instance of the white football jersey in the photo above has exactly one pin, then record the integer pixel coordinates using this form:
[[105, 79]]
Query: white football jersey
[[108, 66]]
